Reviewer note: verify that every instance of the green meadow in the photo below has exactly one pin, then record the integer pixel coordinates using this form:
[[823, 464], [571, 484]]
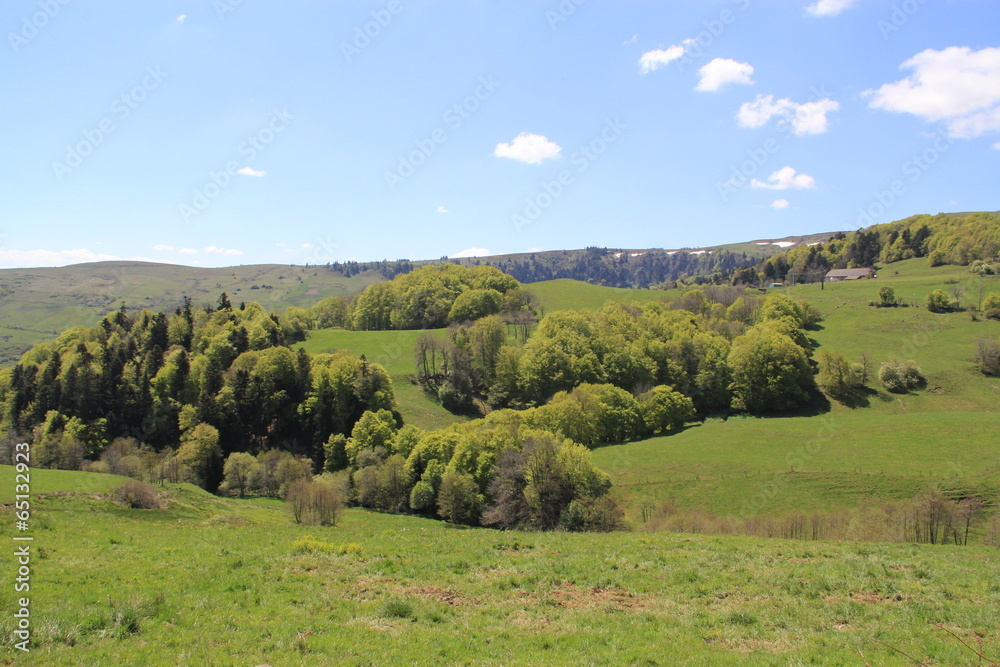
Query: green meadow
[[213, 581]]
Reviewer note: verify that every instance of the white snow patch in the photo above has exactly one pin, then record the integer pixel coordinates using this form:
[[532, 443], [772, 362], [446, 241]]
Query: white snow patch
[[783, 244], [763, 243], [636, 254], [617, 255], [700, 252], [817, 243], [672, 252]]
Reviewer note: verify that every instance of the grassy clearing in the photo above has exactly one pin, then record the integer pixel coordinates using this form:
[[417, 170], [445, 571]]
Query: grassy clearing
[[394, 351], [224, 582], [567, 294]]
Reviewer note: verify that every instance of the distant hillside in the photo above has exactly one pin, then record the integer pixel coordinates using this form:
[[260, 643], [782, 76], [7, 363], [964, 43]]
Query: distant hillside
[[37, 304], [946, 238]]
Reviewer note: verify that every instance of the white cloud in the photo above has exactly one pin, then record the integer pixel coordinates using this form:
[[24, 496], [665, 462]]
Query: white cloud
[[470, 252], [807, 118], [785, 179], [250, 171], [163, 248], [723, 71], [307, 246], [996, 146], [658, 58], [223, 251], [442, 209], [180, 19], [188, 251], [829, 7], [530, 148], [779, 204], [956, 85], [11, 258], [630, 41]]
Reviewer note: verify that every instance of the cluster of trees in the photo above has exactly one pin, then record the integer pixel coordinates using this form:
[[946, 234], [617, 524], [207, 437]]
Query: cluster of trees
[[720, 348], [511, 469], [206, 381], [430, 297], [943, 239]]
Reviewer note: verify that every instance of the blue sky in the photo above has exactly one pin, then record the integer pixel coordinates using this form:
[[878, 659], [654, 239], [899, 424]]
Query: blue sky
[[224, 132]]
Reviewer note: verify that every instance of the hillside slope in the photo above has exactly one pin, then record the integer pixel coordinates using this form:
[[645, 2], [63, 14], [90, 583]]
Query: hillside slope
[[118, 586]]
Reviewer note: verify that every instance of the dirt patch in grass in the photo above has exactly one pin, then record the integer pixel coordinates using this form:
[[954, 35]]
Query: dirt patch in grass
[[443, 595], [570, 597]]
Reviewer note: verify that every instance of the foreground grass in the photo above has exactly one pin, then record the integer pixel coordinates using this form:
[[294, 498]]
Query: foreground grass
[[224, 582]]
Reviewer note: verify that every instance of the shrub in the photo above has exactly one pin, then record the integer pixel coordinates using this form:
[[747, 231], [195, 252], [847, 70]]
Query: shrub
[[988, 357], [991, 306], [887, 297], [940, 301], [137, 495], [899, 378]]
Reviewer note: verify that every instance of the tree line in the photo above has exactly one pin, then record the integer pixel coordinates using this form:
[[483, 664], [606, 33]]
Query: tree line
[[959, 239], [207, 381]]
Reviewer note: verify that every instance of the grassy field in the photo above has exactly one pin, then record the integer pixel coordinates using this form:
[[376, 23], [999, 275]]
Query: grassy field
[[890, 448], [574, 295], [36, 304], [394, 351], [212, 581]]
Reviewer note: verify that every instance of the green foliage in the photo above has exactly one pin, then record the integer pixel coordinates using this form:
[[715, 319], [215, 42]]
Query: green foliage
[[459, 500], [664, 409], [475, 303], [838, 376], [991, 306], [940, 301], [238, 471], [887, 297], [988, 356], [431, 296], [201, 455], [770, 372]]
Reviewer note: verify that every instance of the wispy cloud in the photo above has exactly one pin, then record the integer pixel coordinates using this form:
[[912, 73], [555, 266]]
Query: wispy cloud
[[163, 248], [442, 209], [470, 252], [785, 179], [250, 171], [223, 251], [180, 19], [806, 118], [829, 7], [656, 59], [529, 148], [779, 204]]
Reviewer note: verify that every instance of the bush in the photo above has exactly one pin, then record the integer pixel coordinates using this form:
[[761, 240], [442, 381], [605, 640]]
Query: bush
[[940, 301], [988, 357], [991, 306], [887, 297], [459, 500], [900, 378], [137, 495]]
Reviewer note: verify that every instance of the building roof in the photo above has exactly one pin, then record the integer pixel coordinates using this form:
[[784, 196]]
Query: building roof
[[848, 273]]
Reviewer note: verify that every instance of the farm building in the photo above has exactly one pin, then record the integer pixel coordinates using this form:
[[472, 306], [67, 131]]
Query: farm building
[[836, 275]]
